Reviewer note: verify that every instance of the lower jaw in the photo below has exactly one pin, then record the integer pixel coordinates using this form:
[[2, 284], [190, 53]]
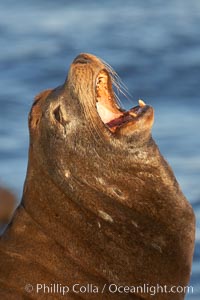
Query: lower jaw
[[116, 120]]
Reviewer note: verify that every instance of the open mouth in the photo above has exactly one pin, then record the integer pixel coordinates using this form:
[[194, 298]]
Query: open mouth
[[109, 111]]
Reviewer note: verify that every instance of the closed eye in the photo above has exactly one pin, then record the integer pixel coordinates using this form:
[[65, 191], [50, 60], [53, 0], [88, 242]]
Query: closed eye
[[58, 115]]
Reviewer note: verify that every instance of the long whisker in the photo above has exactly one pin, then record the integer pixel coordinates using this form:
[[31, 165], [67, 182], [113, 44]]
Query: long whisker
[[118, 84]]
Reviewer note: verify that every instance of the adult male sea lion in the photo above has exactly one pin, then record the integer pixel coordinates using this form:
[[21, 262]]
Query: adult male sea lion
[[102, 212]]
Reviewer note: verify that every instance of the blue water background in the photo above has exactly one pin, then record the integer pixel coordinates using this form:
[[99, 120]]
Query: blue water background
[[153, 45]]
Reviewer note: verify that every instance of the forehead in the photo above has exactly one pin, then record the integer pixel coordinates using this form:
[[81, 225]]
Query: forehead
[[36, 110]]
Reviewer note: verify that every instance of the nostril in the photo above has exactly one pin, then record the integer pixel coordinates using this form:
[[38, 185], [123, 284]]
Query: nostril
[[82, 59]]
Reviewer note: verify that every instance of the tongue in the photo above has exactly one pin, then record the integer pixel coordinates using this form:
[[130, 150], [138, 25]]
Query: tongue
[[106, 114], [119, 121]]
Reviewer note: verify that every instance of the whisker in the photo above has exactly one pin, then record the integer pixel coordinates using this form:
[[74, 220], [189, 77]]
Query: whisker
[[118, 84], [92, 126]]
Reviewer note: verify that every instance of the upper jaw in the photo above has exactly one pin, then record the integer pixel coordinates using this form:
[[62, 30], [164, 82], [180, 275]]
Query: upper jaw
[[115, 119]]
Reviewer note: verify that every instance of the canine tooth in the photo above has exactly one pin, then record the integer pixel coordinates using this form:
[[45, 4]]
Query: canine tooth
[[141, 103]]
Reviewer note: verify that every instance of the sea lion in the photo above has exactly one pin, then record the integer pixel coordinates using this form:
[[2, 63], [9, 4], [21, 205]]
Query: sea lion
[[101, 208]]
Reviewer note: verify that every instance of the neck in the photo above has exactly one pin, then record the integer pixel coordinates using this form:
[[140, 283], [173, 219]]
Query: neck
[[94, 224], [48, 206]]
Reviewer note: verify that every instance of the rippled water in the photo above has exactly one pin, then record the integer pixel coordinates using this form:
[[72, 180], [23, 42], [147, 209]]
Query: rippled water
[[153, 45]]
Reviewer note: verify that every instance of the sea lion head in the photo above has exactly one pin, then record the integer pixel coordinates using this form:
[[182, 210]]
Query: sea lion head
[[84, 113]]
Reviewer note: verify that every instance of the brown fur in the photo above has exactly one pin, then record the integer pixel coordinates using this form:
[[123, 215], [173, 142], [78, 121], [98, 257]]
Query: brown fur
[[7, 206], [97, 207]]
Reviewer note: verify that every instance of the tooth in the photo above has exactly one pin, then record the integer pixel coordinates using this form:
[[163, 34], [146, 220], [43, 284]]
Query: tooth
[[141, 103], [132, 114]]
